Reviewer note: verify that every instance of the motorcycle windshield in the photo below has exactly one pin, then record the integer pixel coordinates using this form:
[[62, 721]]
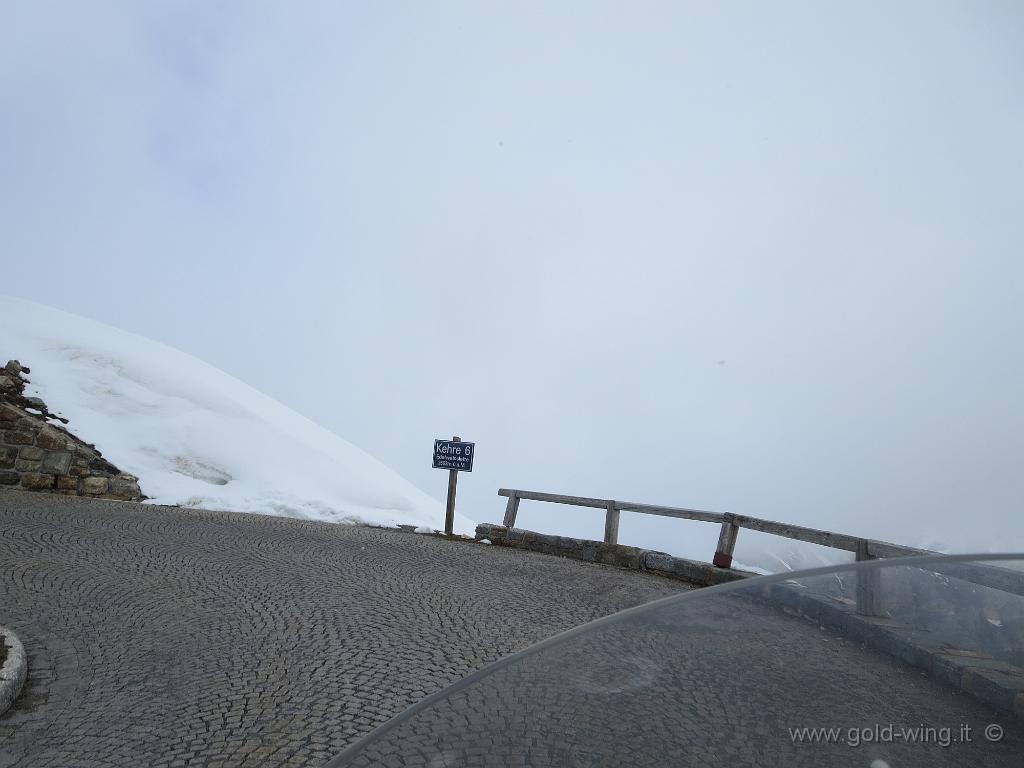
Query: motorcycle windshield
[[915, 661]]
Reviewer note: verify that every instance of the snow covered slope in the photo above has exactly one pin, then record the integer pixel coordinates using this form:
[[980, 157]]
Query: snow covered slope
[[195, 436]]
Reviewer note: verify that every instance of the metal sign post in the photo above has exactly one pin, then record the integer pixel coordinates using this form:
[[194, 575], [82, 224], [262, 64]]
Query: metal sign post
[[455, 456]]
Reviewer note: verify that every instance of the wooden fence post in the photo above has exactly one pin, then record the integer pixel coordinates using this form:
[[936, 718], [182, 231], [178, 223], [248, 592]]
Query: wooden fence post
[[511, 509], [726, 544], [868, 584], [611, 523]]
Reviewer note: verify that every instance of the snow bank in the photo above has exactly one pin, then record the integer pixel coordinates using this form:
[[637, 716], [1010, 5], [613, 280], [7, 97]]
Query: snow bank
[[195, 436]]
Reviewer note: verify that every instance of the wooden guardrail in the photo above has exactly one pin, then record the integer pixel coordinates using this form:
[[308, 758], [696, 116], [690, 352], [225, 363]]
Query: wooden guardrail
[[868, 587]]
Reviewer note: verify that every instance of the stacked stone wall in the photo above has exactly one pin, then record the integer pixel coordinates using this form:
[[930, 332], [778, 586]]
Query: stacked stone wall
[[37, 454]]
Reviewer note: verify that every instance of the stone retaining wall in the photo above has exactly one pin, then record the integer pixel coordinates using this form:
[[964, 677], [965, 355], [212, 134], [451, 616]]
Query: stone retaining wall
[[38, 455], [619, 555]]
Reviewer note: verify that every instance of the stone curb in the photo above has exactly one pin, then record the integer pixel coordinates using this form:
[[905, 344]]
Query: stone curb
[[995, 683], [15, 669], [619, 555]]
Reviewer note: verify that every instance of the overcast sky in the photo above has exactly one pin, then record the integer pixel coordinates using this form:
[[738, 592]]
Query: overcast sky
[[753, 257]]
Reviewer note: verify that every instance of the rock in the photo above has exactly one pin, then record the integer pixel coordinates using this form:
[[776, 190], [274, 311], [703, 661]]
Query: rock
[[66, 483], [12, 385], [36, 402], [58, 462], [125, 487], [7, 457], [16, 438], [95, 485], [8, 415], [100, 464], [51, 440], [37, 481], [31, 453], [8, 477], [24, 465]]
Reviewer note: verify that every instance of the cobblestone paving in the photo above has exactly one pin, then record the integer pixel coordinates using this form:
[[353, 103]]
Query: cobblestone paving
[[166, 637], [714, 680]]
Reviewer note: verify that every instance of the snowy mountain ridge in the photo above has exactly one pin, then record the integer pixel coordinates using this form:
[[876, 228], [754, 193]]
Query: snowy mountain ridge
[[195, 436]]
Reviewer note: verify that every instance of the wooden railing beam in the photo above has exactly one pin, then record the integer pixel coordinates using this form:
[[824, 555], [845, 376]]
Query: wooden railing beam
[[868, 589]]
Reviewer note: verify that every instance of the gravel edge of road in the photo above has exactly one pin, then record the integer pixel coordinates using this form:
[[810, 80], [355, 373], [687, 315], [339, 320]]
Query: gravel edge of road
[[14, 671]]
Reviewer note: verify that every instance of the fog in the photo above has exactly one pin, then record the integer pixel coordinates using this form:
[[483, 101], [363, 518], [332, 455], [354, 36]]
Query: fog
[[745, 257]]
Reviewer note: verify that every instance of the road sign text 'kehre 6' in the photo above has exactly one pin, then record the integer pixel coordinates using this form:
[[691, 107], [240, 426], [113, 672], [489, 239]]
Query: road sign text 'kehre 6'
[[451, 455]]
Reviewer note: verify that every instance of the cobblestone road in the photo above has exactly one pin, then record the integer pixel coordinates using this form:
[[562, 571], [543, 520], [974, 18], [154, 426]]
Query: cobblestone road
[[166, 637], [721, 680]]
